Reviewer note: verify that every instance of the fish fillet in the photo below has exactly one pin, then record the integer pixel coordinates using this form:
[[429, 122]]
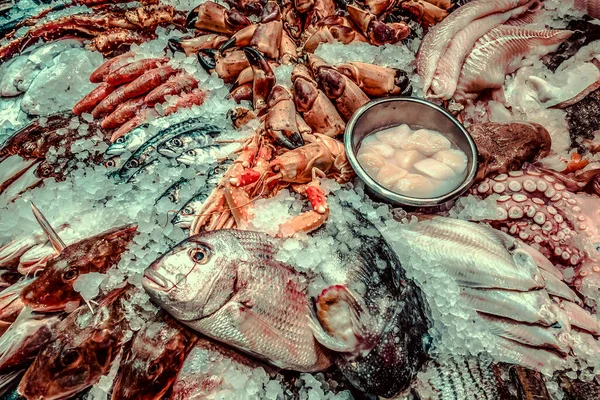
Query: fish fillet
[[436, 41], [513, 352], [448, 70], [500, 52], [472, 266], [530, 307], [531, 335]]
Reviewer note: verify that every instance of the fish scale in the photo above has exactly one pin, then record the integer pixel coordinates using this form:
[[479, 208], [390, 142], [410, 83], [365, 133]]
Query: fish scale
[[459, 379], [287, 314]]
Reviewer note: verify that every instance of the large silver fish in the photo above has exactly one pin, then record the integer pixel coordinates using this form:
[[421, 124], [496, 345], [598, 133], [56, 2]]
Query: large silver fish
[[229, 285]]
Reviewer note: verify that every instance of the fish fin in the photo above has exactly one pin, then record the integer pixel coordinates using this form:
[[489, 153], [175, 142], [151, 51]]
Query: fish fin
[[49, 231], [336, 323], [7, 379]]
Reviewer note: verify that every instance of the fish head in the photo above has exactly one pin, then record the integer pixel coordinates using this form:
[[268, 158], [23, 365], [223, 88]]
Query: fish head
[[175, 147], [187, 213], [151, 364], [196, 277], [54, 288], [75, 360], [119, 146]]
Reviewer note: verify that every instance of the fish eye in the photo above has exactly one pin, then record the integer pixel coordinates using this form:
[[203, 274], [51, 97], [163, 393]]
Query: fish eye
[[70, 275], [154, 369], [191, 152], [199, 255], [133, 163], [177, 142], [69, 357], [188, 211], [120, 140], [110, 163], [597, 247]]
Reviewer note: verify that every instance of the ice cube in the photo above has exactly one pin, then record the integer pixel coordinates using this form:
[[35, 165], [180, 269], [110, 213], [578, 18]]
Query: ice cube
[[406, 158], [395, 136], [455, 159], [414, 185], [427, 142], [434, 169]]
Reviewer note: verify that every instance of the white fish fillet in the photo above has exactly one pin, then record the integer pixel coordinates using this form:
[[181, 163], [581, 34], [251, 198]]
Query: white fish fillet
[[500, 52], [448, 70], [558, 288], [532, 307], [513, 352], [472, 266], [580, 318], [435, 42], [531, 335]]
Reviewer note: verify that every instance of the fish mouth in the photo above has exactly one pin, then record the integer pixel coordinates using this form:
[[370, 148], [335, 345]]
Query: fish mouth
[[168, 152], [115, 150], [155, 280]]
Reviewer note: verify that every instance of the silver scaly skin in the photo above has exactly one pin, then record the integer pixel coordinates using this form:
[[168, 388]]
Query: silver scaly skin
[[228, 285]]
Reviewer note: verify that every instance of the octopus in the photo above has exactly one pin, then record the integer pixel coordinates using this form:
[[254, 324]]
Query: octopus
[[539, 207]]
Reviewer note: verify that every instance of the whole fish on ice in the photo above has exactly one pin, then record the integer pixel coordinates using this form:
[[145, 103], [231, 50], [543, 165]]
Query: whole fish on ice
[[86, 345], [228, 285], [157, 352], [53, 290]]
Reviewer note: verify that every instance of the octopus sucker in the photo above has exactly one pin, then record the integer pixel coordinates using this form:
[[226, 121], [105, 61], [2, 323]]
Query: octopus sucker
[[561, 222]]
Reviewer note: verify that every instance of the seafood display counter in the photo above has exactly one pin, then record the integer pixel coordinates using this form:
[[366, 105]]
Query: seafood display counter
[[299, 199]]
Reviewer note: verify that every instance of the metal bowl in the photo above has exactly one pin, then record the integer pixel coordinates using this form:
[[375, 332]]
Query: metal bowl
[[417, 113]]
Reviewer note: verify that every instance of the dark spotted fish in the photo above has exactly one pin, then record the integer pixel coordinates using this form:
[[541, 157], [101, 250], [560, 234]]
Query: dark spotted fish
[[463, 378], [156, 354], [53, 289], [86, 345]]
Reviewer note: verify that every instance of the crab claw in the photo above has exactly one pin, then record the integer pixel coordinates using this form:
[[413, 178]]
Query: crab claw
[[264, 78], [231, 42], [192, 17], [378, 32], [174, 44], [281, 121], [207, 58], [271, 12]]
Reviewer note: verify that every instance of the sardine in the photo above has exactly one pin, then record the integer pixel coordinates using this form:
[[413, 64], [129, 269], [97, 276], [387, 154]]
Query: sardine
[[185, 141], [53, 289], [86, 345], [156, 355], [172, 192], [129, 142], [148, 152], [229, 285]]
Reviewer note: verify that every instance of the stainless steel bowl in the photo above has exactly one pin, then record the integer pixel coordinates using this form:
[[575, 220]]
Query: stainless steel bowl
[[417, 113]]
